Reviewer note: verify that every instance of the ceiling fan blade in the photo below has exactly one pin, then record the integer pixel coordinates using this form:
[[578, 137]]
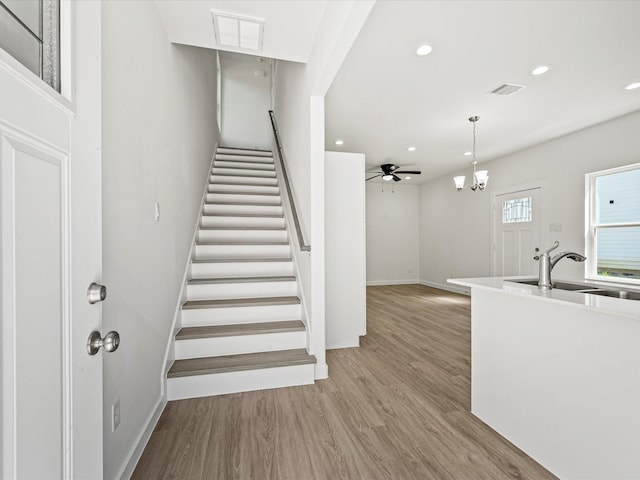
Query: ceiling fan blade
[[411, 172], [396, 178], [371, 178]]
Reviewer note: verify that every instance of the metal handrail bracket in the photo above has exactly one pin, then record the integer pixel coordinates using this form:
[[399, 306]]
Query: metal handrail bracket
[[305, 247]]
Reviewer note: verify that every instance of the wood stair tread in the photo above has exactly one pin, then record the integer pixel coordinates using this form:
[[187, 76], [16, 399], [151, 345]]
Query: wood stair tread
[[274, 229], [261, 194], [214, 331], [243, 184], [242, 260], [235, 363], [242, 243], [240, 302], [214, 281], [242, 167], [244, 149], [243, 175], [243, 204], [261, 215]]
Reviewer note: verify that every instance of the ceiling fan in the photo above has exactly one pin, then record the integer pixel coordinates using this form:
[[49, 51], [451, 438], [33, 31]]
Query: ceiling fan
[[389, 171]]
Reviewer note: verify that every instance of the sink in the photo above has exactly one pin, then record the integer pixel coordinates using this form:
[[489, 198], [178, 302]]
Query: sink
[[617, 294], [558, 285]]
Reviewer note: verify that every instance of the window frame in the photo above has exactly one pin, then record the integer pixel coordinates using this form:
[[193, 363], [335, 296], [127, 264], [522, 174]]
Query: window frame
[[591, 226]]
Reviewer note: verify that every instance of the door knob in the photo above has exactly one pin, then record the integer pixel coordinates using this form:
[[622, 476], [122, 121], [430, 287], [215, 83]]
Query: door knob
[[96, 293], [110, 342]]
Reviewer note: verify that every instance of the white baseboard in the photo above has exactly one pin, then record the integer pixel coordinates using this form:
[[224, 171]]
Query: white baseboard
[[143, 439], [344, 344], [392, 282], [321, 371], [446, 286]]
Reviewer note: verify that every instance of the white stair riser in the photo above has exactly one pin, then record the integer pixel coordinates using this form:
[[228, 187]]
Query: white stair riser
[[242, 222], [244, 381], [239, 344], [244, 164], [242, 251], [241, 198], [213, 209], [201, 317], [217, 188], [242, 180], [219, 291], [242, 236], [243, 173], [246, 155], [241, 269]]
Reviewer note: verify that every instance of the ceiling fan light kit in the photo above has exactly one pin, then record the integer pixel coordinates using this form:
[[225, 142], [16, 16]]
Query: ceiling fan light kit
[[480, 177], [389, 171]]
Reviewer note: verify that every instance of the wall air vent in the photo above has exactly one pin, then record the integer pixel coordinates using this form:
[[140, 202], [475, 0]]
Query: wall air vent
[[507, 89], [238, 32]]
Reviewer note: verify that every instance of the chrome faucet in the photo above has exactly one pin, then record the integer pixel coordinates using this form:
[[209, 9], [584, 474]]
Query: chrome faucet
[[547, 263]]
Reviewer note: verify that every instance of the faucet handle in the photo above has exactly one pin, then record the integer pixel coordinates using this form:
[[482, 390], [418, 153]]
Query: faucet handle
[[555, 245]]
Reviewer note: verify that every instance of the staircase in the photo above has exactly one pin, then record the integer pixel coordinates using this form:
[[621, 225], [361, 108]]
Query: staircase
[[242, 323]]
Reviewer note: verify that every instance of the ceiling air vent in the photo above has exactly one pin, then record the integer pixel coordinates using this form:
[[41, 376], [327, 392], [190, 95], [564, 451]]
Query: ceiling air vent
[[238, 32], [507, 89]]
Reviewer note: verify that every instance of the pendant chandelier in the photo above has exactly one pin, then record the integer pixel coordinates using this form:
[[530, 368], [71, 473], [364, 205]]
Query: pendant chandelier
[[480, 177]]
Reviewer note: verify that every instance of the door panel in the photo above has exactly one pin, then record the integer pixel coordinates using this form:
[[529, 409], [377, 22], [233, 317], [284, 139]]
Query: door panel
[[516, 238]]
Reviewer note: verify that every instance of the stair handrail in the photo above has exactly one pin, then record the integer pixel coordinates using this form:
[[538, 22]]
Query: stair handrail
[[305, 247]]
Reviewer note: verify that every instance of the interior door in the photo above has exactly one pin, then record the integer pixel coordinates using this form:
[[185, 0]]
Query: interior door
[[50, 251], [517, 232]]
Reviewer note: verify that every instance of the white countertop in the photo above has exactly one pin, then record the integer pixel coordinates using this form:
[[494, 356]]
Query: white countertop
[[615, 306]]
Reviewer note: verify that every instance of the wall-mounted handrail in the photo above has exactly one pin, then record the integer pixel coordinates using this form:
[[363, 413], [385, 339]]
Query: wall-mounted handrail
[[303, 245]]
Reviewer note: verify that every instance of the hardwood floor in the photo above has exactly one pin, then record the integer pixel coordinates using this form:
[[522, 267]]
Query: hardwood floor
[[395, 408]]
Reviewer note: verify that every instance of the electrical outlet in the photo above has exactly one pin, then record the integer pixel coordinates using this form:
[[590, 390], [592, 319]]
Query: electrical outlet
[[115, 415]]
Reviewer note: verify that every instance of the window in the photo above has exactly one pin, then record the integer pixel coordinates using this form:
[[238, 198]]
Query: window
[[30, 32], [516, 210], [613, 218]]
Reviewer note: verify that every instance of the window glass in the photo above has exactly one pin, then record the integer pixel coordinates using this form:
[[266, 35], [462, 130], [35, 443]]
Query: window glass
[[516, 210], [618, 197], [618, 251], [30, 32]]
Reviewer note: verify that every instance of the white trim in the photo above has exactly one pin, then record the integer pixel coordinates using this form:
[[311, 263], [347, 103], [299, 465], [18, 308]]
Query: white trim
[[138, 448], [169, 354], [447, 287], [590, 225], [374, 283]]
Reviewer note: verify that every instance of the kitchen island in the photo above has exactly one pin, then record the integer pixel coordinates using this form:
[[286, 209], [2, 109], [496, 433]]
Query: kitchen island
[[558, 374]]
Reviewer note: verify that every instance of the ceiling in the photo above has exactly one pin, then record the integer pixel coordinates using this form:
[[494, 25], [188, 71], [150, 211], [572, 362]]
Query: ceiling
[[385, 98], [290, 27]]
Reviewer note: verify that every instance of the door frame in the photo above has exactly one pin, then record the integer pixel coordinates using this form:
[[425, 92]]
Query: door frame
[[539, 184]]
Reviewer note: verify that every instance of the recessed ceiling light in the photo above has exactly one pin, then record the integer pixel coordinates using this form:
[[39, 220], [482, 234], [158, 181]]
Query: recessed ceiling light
[[412, 149], [339, 142], [407, 178], [540, 70], [466, 154], [423, 50], [632, 86]]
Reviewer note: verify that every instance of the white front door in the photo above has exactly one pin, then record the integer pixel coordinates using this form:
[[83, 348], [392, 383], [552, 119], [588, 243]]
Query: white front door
[[50, 251], [517, 232]]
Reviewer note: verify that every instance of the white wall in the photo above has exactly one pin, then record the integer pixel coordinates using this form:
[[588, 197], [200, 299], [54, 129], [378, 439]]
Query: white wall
[[158, 139], [392, 232], [344, 249], [245, 101], [455, 228], [298, 99]]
